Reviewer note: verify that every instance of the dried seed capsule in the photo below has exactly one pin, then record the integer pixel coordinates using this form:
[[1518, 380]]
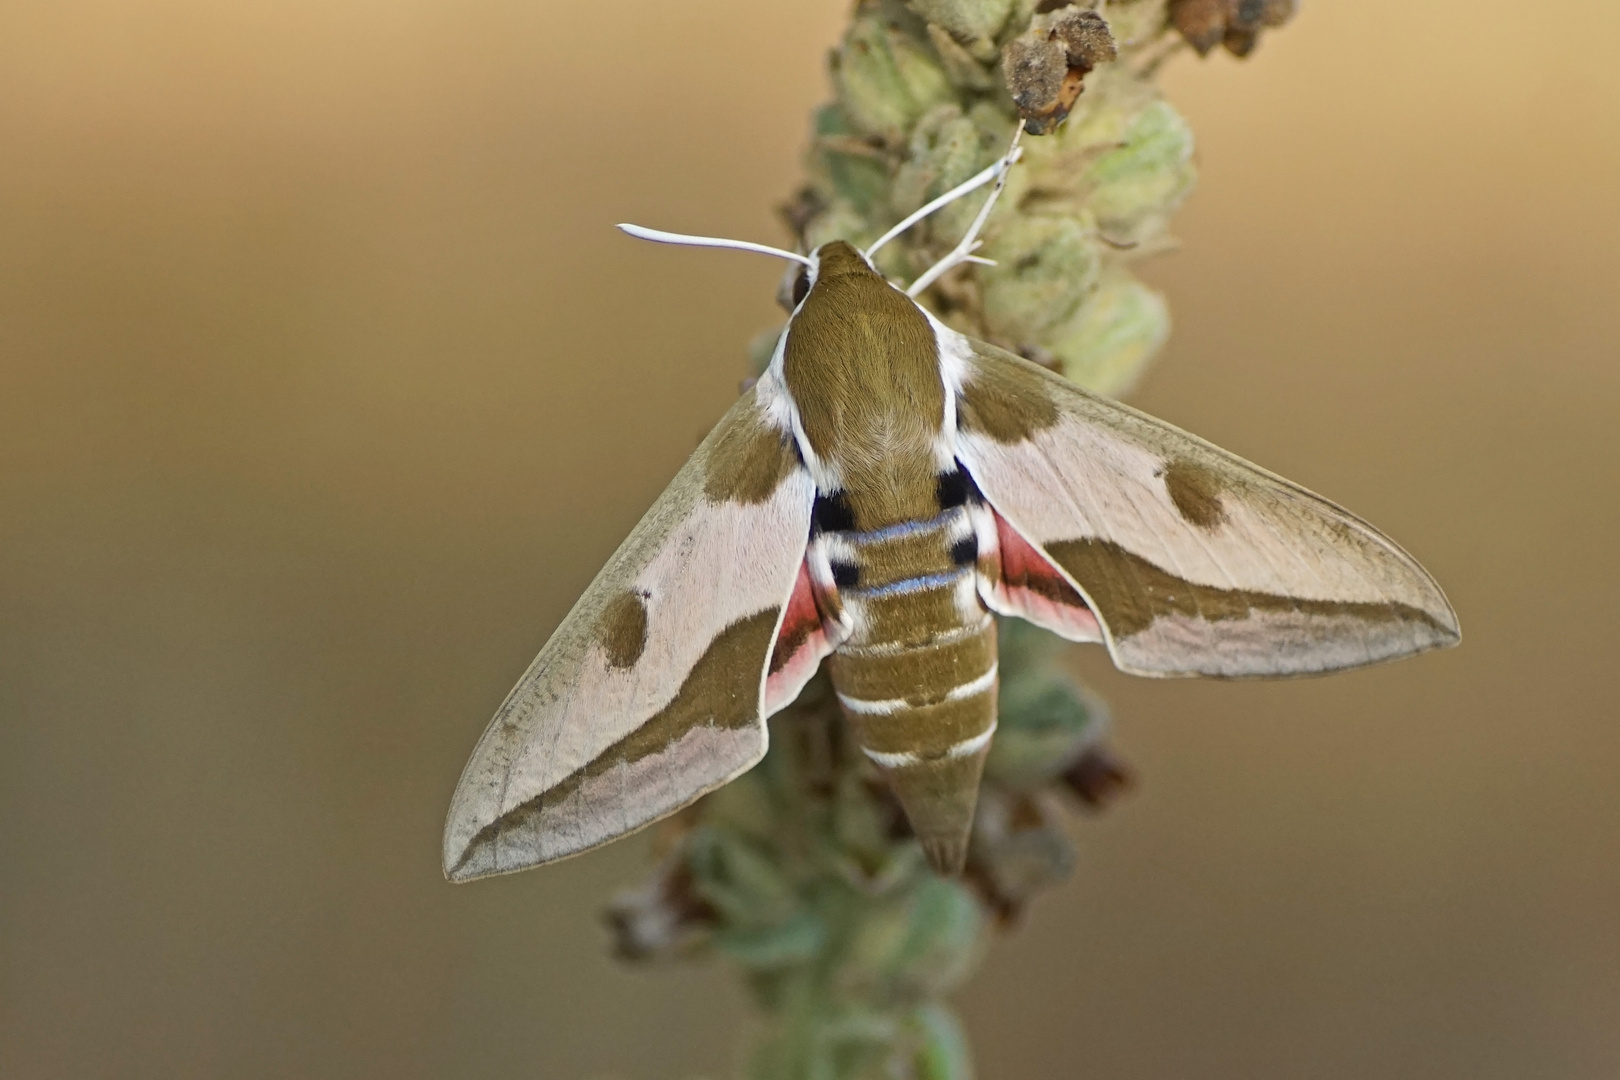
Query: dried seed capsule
[[1020, 846], [1085, 36], [1045, 67], [1099, 777], [1278, 12], [1037, 73], [1235, 24], [1201, 22], [1240, 40], [663, 918]]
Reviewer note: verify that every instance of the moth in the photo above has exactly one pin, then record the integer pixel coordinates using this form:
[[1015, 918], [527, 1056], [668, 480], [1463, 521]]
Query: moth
[[884, 491]]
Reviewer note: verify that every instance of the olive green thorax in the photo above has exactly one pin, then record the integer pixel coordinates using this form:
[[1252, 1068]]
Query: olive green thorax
[[862, 365]]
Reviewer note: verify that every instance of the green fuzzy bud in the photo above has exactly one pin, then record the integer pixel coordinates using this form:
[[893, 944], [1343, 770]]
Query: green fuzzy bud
[[840, 221], [1045, 268], [1047, 721], [1137, 185], [945, 149], [886, 79], [844, 164], [829, 1043], [737, 877], [1108, 342], [795, 941], [922, 947], [941, 1046], [961, 67], [973, 23]]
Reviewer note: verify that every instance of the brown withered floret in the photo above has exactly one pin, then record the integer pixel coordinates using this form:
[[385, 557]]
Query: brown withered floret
[[1099, 777], [1045, 67], [1234, 24], [1020, 847], [665, 917]]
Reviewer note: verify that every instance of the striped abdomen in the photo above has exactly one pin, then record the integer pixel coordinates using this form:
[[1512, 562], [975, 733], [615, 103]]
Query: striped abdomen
[[917, 674]]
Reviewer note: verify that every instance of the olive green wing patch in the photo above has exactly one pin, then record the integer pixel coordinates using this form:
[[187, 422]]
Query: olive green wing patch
[[650, 692], [1194, 561]]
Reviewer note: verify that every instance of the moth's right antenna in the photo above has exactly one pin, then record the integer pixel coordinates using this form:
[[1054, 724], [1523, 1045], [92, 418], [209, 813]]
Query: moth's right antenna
[[998, 171], [963, 252]]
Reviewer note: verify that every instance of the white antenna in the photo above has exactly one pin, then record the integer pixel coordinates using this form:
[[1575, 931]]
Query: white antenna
[[963, 252], [994, 172], [659, 236]]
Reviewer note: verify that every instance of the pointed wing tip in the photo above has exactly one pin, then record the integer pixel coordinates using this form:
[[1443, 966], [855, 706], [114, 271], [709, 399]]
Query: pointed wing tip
[[472, 834], [480, 845], [457, 852], [476, 859], [1424, 631]]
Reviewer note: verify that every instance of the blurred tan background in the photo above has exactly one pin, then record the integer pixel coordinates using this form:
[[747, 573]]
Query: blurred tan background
[[325, 386]]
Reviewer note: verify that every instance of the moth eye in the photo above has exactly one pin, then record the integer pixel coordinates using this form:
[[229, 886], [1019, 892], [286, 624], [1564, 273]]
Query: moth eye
[[801, 286]]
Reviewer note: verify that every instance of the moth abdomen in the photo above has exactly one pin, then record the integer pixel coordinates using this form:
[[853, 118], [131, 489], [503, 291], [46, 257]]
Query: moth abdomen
[[924, 715], [916, 675]]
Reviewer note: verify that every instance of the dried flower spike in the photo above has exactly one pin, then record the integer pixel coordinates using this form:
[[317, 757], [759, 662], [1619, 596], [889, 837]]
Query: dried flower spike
[[804, 872]]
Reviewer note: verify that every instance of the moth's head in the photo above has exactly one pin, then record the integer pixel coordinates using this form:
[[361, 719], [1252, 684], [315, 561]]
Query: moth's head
[[838, 260], [844, 263], [836, 265]]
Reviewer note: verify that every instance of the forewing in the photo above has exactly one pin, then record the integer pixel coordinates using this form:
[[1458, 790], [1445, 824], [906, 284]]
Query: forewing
[[650, 693], [1194, 561]]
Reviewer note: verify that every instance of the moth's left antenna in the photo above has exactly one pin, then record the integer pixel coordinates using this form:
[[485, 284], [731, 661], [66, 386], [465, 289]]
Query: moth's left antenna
[[659, 236]]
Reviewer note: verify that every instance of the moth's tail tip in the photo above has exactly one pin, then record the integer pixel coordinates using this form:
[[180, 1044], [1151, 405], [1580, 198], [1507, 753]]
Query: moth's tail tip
[[947, 855]]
